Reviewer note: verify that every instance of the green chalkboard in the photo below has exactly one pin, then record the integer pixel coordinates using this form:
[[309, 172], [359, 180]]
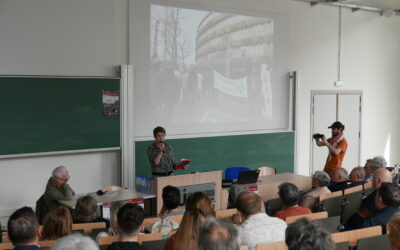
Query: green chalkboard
[[47, 114], [218, 153]]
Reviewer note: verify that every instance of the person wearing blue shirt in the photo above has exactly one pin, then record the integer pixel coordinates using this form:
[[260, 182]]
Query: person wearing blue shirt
[[387, 202]]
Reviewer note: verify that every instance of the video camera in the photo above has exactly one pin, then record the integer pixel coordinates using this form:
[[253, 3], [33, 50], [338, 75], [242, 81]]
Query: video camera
[[317, 136]]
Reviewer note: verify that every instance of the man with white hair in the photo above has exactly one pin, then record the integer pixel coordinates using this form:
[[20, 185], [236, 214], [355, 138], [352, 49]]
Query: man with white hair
[[357, 176], [57, 188], [339, 178]]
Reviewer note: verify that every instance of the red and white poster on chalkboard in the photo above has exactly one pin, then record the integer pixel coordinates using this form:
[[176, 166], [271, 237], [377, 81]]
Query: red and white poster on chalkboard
[[110, 102]]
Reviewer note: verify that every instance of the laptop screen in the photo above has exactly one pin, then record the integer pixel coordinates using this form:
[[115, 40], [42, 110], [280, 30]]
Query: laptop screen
[[248, 177]]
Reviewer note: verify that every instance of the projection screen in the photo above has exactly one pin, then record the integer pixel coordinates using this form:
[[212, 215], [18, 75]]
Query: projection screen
[[201, 70]]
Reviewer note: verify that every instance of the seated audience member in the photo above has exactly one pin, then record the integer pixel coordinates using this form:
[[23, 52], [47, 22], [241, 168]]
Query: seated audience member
[[57, 188], [129, 221], [339, 178], [305, 235], [113, 229], [369, 168], [171, 198], [86, 210], [218, 235], [75, 242], [198, 207], [114, 215], [320, 180], [387, 202], [394, 232], [380, 161], [367, 207], [357, 176], [256, 226], [289, 196], [57, 224], [23, 229]]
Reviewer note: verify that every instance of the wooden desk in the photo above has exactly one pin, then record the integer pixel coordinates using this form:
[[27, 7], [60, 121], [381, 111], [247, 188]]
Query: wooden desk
[[190, 179], [124, 194], [268, 186]]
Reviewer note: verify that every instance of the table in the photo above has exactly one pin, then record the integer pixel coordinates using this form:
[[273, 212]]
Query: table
[[124, 194], [190, 179], [267, 186]]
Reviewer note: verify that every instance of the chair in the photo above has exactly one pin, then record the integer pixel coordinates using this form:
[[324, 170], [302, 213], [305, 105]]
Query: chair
[[342, 245], [96, 232], [353, 203], [155, 244], [372, 243], [107, 240], [278, 245], [78, 231], [368, 191], [225, 213], [313, 216], [272, 206], [150, 220], [330, 224], [330, 195], [149, 237], [4, 246], [46, 243], [88, 227], [333, 206], [233, 173], [266, 171], [41, 209], [353, 189], [354, 235]]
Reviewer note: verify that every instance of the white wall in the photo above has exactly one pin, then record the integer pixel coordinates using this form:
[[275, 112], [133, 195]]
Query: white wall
[[89, 37], [58, 37]]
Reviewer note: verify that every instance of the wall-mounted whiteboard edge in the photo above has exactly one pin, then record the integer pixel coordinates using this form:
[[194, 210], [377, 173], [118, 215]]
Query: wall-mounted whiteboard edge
[[200, 135], [80, 151]]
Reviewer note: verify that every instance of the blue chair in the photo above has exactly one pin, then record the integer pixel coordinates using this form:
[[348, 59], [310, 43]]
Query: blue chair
[[233, 173]]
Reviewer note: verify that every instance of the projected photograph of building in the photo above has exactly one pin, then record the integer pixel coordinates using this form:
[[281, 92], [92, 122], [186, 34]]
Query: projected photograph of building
[[220, 62]]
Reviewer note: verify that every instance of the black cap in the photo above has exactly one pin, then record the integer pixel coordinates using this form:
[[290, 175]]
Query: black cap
[[337, 125]]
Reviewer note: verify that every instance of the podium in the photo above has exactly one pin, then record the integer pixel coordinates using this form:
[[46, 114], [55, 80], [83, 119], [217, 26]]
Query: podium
[[211, 182]]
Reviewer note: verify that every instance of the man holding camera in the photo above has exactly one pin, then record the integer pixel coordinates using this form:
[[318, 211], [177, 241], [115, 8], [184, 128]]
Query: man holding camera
[[337, 146]]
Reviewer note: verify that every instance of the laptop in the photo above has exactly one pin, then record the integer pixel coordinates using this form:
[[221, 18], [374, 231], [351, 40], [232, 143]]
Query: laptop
[[248, 177]]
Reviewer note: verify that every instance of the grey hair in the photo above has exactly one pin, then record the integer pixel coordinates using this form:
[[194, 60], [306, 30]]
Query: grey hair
[[380, 160], [218, 234], [58, 171], [359, 171], [75, 242], [305, 234], [343, 173], [322, 178]]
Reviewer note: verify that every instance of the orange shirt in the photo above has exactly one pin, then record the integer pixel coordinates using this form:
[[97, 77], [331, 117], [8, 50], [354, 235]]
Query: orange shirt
[[335, 161]]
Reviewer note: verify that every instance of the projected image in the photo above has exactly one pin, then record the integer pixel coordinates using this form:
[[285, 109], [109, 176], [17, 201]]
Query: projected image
[[212, 67]]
